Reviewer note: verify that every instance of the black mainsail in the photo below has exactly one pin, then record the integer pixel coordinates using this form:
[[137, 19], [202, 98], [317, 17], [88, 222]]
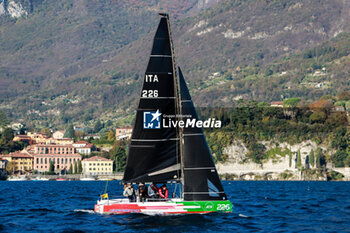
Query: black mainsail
[[201, 180], [154, 151], [159, 154]]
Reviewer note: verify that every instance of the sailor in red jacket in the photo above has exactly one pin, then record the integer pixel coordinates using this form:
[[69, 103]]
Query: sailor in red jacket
[[163, 192]]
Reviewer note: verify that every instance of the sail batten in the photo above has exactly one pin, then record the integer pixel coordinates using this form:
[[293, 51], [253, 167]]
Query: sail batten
[[154, 140], [172, 168]]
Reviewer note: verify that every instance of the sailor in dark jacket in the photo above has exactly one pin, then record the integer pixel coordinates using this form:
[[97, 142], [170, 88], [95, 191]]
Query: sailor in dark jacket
[[142, 192]]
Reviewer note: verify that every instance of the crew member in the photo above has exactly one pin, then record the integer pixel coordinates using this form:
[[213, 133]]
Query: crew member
[[129, 192], [142, 192], [153, 191], [163, 192]]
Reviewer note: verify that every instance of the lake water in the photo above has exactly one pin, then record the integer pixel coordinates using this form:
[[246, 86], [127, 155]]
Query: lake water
[[259, 206]]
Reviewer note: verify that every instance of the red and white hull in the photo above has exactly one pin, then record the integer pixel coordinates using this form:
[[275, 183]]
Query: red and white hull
[[172, 206]]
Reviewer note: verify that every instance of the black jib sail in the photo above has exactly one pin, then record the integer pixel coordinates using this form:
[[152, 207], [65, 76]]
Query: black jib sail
[[154, 151], [201, 180]]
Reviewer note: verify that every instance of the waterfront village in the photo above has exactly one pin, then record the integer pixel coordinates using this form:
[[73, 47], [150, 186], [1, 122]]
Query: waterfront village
[[60, 157]]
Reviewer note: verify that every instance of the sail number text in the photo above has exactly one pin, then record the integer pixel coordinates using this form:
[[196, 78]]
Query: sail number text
[[149, 93], [150, 78], [223, 207]]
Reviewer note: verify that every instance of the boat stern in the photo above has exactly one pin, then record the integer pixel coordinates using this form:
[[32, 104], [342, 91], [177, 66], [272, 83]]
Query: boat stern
[[97, 208], [201, 207]]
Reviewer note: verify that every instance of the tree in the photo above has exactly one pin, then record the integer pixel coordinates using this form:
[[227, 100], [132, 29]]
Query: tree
[[337, 119], [322, 105], [339, 139], [79, 134], [46, 131], [347, 105], [118, 155], [52, 167], [263, 105], [330, 98], [290, 158], [70, 171], [256, 152], [345, 95], [299, 159], [110, 135], [347, 161], [69, 133], [340, 103], [98, 126], [87, 117], [312, 158], [3, 120], [80, 167], [318, 158], [7, 134], [109, 123], [291, 102], [339, 157], [75, 168], [318, 117], [11, 167]]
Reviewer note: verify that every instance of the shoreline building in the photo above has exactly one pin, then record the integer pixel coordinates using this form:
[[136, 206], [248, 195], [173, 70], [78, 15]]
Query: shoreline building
[[22, 161], [38, 137], [63, 156], [63, 141], [123, 133], [97, 165], [84, 147], [23, 138], [3, 172]]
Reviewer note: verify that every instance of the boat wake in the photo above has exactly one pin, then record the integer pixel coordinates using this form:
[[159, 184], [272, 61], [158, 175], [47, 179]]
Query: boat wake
[[84, 211], [243, 216]]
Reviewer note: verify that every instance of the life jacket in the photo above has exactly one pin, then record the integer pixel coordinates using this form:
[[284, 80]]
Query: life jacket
[[163, 193]]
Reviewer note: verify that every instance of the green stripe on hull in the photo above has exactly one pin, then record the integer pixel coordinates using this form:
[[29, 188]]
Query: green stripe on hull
[[207, 206]]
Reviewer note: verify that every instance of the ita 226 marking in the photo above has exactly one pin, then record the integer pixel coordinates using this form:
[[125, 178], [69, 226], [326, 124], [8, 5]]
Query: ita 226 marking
[[150, 93]]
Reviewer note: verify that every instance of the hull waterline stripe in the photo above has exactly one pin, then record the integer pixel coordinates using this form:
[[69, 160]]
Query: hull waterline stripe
[[186, 101]]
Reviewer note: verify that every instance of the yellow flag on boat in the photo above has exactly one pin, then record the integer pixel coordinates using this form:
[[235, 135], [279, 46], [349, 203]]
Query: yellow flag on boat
[[104, 196]]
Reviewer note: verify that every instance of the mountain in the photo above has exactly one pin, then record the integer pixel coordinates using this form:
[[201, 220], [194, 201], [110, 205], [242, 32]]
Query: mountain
[[75, 61]]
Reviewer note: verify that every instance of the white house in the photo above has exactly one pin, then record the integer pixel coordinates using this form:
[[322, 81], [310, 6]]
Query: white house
[[83, 147]]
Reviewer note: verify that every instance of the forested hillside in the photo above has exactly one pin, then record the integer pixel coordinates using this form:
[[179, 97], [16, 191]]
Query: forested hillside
[[79, 61]]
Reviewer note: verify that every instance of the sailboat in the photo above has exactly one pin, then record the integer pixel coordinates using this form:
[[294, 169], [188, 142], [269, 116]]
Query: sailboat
[[168, 153]]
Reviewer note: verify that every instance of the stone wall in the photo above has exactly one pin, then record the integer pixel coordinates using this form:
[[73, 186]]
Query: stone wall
[[238, 166]]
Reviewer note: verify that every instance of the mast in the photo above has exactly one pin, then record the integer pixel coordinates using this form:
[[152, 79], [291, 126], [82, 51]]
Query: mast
[[179, 133]]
